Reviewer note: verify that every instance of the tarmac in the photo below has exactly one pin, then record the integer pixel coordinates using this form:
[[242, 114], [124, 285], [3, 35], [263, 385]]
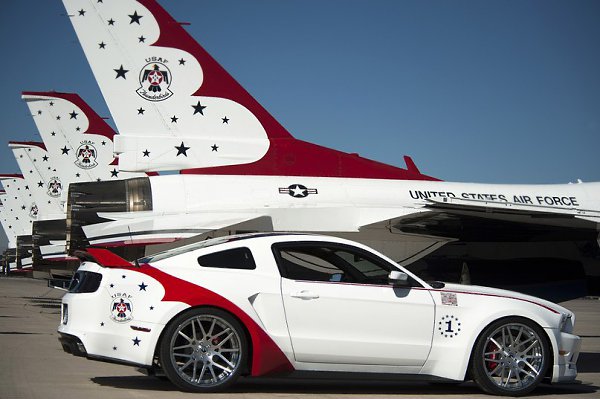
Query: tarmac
[[33, 364]]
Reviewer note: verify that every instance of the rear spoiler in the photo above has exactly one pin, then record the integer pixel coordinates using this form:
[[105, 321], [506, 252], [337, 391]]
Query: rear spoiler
[[103, 257]]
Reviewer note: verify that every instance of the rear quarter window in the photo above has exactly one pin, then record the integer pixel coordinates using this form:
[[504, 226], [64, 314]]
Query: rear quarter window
[[85, 282], [237, 258]]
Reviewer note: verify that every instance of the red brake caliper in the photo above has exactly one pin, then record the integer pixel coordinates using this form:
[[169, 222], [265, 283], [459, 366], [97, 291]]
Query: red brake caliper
[[492, 347]]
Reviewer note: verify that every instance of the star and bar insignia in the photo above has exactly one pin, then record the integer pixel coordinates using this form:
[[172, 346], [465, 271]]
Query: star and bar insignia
[[298, 191]]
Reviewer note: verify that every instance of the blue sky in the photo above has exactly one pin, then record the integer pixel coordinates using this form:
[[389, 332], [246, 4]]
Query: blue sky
[[474, 91]]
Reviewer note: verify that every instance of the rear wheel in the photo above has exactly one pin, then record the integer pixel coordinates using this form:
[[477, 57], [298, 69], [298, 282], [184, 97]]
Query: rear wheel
[[510, 357], [203, 350]]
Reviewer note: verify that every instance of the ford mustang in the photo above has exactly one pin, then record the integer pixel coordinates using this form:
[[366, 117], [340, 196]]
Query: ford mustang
[[266, 304]]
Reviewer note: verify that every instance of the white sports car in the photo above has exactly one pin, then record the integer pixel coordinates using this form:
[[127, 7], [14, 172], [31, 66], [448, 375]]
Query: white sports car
[[263, 304]]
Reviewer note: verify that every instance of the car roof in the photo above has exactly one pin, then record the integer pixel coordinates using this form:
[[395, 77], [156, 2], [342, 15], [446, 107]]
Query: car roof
[[274, 237], [220, 241]]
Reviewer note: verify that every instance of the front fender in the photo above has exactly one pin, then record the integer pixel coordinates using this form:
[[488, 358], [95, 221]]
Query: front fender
[[460, 321]]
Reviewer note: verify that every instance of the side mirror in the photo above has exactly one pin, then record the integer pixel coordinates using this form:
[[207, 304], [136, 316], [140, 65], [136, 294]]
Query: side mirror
[[396, 277]]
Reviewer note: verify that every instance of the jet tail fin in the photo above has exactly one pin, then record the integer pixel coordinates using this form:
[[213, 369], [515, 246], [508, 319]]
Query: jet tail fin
[[43, 183], [159, 82], [176, 108], [77, 138]]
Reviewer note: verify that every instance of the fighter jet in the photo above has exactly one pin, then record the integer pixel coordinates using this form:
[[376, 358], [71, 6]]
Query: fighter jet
[[44, 187], [242, 170], [17, 214], [79, 149], [9, 255]]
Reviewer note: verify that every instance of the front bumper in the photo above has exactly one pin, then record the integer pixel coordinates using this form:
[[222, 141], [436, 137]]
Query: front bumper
[[565, 368]]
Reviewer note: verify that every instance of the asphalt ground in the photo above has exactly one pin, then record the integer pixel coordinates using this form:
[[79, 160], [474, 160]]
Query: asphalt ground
[[33, 364]]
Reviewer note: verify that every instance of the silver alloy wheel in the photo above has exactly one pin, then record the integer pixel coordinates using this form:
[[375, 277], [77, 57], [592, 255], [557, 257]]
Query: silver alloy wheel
[[205, 350], [513, 357]]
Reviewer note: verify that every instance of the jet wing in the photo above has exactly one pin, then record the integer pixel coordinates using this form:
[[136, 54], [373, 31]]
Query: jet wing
[[55, 251], [145, 228], [474, 220], [150, 227]]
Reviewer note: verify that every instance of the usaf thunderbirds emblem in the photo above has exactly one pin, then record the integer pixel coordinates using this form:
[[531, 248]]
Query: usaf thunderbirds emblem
[[33, 211], [121, 308], [297, 191], [155, 79], [54, 187], [86, 155]]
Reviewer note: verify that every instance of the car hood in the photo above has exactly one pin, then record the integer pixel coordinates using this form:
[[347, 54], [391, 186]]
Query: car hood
[[480, 290]]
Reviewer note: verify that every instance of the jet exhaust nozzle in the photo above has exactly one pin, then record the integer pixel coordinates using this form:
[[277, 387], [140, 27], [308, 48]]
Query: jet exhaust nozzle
[[86, 200]]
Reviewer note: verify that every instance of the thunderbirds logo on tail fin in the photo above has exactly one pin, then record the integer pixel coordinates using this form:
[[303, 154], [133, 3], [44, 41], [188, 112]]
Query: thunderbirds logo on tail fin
[[155, 79], [33, 211], [54, 187], [86, 155]]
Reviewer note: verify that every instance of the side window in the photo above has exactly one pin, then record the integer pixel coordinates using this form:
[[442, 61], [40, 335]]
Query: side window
[[325, 262], [237, 258], [304, 263], [365, 266]]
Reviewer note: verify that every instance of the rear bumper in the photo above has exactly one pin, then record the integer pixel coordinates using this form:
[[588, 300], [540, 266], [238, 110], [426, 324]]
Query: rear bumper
[[73, 345], [91, 327]]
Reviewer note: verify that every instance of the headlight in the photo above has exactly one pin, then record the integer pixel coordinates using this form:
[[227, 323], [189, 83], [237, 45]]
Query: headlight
[[65, 313], [566, 322]]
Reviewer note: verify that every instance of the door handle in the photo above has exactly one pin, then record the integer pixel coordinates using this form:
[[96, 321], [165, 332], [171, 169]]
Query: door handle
[[304, 295]]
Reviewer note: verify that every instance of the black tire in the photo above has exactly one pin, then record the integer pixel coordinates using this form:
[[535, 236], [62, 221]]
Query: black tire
[[510, 357], [204, 350]]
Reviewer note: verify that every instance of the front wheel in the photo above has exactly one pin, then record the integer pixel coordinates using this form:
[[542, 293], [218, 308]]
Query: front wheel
[[510, 357], [203, 350]]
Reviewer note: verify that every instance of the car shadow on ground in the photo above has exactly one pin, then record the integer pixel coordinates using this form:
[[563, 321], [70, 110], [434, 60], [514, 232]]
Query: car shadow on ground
[[140, 382], [311, 386]]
